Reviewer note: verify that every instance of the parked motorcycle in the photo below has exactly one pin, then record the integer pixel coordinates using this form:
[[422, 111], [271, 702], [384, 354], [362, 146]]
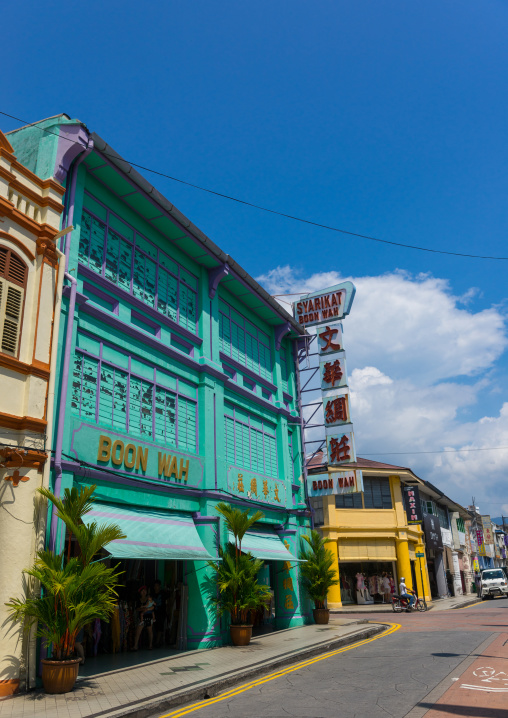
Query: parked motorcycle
[[402, 603]]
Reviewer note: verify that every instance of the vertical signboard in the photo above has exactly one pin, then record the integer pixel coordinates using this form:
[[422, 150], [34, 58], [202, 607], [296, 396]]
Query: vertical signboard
[[413, 505], [432, 530]]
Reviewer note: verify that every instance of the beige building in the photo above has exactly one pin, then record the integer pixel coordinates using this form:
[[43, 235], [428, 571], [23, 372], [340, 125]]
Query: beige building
[[31, 274]]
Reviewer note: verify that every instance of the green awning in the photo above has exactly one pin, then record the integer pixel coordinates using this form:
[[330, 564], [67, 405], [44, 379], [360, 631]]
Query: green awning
[[265, 544], [150, 534]]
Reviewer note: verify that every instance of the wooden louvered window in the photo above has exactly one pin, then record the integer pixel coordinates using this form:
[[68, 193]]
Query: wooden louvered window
[[13, 274]]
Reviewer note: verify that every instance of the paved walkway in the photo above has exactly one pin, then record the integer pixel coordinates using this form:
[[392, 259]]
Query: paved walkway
[[156, 686], [437, 604]]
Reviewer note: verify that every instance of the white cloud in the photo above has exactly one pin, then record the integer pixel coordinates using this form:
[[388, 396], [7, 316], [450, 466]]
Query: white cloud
[[408, 326], [420, 360]]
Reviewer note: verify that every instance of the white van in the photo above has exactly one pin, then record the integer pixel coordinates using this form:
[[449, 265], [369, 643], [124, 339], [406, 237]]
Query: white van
[[494, 583]]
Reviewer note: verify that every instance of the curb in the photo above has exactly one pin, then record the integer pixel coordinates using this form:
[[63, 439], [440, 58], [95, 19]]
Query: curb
[[468, 603], [210, 688]]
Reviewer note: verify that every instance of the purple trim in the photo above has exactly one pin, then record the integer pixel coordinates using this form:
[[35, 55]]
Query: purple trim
[[63, 406], [128, 542], [248, 372], [72, 139], [89, 473], [141, 306], [149, 323], [287, 397], [280, 332], [102, 295], [215, 438], [214, 277], [139, 519]]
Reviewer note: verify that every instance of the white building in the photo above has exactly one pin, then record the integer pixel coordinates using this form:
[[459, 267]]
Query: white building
[[31, 274]]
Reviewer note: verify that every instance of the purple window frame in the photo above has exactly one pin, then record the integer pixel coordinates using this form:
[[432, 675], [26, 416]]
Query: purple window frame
[[136, 248], [129, 373], [230, 413], [246, 331]]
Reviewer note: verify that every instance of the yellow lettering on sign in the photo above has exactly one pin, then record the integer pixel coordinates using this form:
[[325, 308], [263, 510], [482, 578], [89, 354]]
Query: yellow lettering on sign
[[287, 583], [129, 461], [184, 470], [117, 458], [104, 451], [163, 463], [288, 603], [173, 468], [142, 458]]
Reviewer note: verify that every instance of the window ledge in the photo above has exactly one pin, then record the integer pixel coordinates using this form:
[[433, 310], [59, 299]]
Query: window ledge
[[111, 288]]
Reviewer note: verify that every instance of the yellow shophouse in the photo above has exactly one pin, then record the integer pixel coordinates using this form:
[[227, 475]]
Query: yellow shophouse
[[370, 536]]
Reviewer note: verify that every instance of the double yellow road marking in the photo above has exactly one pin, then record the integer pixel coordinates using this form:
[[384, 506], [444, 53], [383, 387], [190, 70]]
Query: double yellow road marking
[[278, 674]]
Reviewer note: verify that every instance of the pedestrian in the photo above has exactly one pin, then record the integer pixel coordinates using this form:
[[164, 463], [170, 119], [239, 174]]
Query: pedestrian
[[144, 611]]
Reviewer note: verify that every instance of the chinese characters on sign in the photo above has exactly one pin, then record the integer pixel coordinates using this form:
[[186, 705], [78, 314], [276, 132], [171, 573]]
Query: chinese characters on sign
[[334, 389], [413, 505], [259, 488]]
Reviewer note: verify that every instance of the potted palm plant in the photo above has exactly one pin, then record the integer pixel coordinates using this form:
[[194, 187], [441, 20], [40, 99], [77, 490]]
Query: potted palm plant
[[65, 593], [236, 576], [317, 573]]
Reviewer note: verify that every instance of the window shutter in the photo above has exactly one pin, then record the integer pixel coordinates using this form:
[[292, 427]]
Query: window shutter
[[11, 304]]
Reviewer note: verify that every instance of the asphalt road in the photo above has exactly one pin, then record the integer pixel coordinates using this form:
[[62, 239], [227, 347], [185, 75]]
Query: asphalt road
[[446, 663]]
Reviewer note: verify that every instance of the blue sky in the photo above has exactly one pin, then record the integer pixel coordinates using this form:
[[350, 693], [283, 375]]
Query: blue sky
[[386, 119]]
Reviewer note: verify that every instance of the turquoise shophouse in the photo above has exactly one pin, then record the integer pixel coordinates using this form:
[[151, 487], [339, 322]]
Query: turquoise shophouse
[[176, 388]]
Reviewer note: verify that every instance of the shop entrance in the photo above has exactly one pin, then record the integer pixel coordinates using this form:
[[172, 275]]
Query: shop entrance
[[367, 582], [109, 646], [263, 621]]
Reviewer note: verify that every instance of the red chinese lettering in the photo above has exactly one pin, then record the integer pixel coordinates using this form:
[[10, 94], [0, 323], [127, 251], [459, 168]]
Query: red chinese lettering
[[332, 373], [340, 450], [328, 337], [336, 410]]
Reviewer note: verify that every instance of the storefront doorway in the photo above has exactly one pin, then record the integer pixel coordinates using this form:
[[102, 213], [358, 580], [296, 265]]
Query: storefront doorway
[[109, 645], [367, 582]]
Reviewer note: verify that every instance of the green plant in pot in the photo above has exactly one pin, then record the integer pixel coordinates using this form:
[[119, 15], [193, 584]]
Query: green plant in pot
[[65, 593], [317, 573], [238, 591]]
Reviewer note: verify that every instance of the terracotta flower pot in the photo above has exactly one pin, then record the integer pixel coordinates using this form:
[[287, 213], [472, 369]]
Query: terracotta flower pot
[[59, 676], [241, 635], [9, 687], [321, 616]]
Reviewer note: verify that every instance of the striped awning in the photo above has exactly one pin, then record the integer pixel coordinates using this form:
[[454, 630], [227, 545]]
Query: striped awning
[[265, 544], [150, 534]]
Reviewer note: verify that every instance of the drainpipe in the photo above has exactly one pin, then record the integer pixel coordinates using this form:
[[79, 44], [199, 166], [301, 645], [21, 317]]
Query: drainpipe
[[63, 404], [68, 217]]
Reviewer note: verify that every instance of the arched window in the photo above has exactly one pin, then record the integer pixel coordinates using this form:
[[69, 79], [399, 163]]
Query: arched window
[[13, 274]]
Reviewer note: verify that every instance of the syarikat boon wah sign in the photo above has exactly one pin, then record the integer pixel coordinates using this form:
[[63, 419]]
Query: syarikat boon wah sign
[[334, 303]]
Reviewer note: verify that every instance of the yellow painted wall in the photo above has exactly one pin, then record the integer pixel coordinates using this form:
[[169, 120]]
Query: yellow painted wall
[[375, 535]]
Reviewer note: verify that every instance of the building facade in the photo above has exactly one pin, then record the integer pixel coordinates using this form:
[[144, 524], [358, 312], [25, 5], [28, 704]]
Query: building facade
[[177, 389], [370, 536], [31, 272]]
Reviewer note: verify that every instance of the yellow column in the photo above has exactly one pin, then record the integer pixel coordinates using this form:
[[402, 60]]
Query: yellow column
[[334, 597], [403, 563]]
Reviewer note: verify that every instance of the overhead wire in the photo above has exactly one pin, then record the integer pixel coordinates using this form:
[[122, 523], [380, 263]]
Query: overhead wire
[[286, 215]]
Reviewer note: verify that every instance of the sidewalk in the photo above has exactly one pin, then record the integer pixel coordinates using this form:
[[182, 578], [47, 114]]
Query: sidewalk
[[142, 690], [437, 604]]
